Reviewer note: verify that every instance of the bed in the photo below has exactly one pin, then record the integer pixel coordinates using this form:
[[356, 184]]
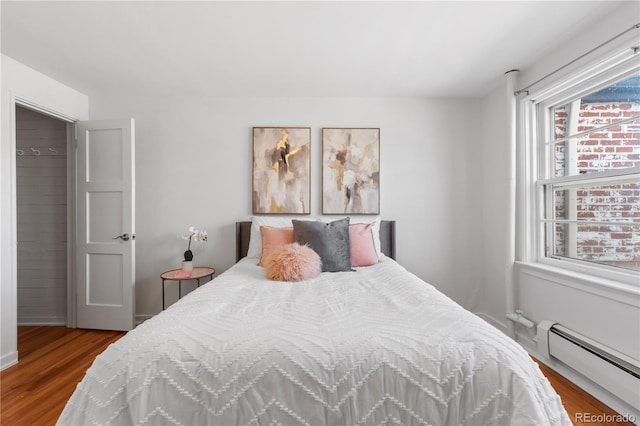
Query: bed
[[376, 345]]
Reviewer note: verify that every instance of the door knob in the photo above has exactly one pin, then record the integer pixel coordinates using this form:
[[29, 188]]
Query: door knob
[[123, 237]]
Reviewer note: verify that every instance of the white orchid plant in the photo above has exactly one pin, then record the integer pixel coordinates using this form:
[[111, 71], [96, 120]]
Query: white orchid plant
[[193, 234]]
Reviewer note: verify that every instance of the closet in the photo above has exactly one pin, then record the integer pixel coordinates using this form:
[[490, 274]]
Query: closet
[[41, 182]]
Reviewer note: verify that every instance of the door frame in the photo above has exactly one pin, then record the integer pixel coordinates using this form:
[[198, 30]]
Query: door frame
[[15, 101]]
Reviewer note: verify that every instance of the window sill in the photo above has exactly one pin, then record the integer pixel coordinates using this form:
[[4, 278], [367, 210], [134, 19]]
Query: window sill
[[612, 289], [604, 273]]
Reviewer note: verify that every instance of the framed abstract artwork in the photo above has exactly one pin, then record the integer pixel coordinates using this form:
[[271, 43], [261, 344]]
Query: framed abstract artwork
[[281, 170], [350, 171]]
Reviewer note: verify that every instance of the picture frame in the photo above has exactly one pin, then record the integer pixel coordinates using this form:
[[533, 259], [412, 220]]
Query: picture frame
[[351, 171], [281, 170]]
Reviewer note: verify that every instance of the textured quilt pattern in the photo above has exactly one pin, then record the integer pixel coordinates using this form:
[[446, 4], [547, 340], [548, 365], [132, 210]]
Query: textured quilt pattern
[[375, 346]]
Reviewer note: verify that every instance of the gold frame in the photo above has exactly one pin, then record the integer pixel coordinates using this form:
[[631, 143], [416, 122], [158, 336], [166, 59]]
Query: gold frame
[[281, 164], [337, 145]]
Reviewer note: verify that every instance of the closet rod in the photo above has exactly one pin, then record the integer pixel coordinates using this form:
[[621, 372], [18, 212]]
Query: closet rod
[[635, 50]]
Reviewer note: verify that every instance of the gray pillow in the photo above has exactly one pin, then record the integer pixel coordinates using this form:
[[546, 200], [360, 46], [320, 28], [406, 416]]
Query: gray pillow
[[329, 240]]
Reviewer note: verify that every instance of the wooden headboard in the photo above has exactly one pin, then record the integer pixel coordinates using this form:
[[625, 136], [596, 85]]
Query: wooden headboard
[[387, 238]]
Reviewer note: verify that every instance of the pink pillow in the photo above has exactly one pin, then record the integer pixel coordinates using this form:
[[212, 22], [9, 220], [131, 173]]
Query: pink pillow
[[274, 238], [363, 249], [292, 262]]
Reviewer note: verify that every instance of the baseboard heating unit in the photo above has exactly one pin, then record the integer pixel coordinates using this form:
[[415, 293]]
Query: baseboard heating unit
[[614, 371]]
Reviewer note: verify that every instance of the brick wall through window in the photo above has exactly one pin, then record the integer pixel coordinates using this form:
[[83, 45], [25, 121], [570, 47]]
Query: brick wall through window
[[614, 148]]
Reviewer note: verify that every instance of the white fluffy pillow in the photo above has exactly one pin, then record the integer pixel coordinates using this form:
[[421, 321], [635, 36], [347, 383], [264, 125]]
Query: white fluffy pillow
[[255, 240]]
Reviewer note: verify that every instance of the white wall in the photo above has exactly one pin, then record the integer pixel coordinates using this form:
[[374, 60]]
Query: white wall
[[193, 161], [610, 316], [19, 81], [494, 143], [494, 220], [193, 168]]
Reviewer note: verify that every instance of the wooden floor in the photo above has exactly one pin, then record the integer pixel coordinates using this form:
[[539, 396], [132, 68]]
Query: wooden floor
[[52, 362], [578, 403], [54, 359]]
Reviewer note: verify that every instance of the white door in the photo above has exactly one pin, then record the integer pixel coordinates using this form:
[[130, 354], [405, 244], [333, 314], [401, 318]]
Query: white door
[[105, 244]]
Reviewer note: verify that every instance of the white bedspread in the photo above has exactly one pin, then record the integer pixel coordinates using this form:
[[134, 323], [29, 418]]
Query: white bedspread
[[375, 346]]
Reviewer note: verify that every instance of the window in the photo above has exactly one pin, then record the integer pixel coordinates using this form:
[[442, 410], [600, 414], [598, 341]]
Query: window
[[586, 169]]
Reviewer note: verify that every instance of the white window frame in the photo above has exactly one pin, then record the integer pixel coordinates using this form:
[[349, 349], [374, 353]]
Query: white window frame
[[534, 174]]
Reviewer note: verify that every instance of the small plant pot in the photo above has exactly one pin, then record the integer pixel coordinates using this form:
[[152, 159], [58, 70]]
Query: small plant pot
[[187, 265]]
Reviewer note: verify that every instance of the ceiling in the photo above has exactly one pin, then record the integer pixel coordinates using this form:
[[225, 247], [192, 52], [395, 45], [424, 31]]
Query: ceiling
[[289, 49]]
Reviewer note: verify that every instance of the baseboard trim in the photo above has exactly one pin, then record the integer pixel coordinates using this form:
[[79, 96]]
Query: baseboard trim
[[584, 383], [529, 344], [42, 323], [142, 318], [8, 360], [42, 320], [494, 322]]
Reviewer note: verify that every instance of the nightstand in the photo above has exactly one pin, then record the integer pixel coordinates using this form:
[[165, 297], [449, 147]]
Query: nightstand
[[196, 274]]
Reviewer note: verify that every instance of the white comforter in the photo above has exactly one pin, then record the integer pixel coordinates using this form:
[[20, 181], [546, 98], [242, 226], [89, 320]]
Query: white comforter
[[375, 346]]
